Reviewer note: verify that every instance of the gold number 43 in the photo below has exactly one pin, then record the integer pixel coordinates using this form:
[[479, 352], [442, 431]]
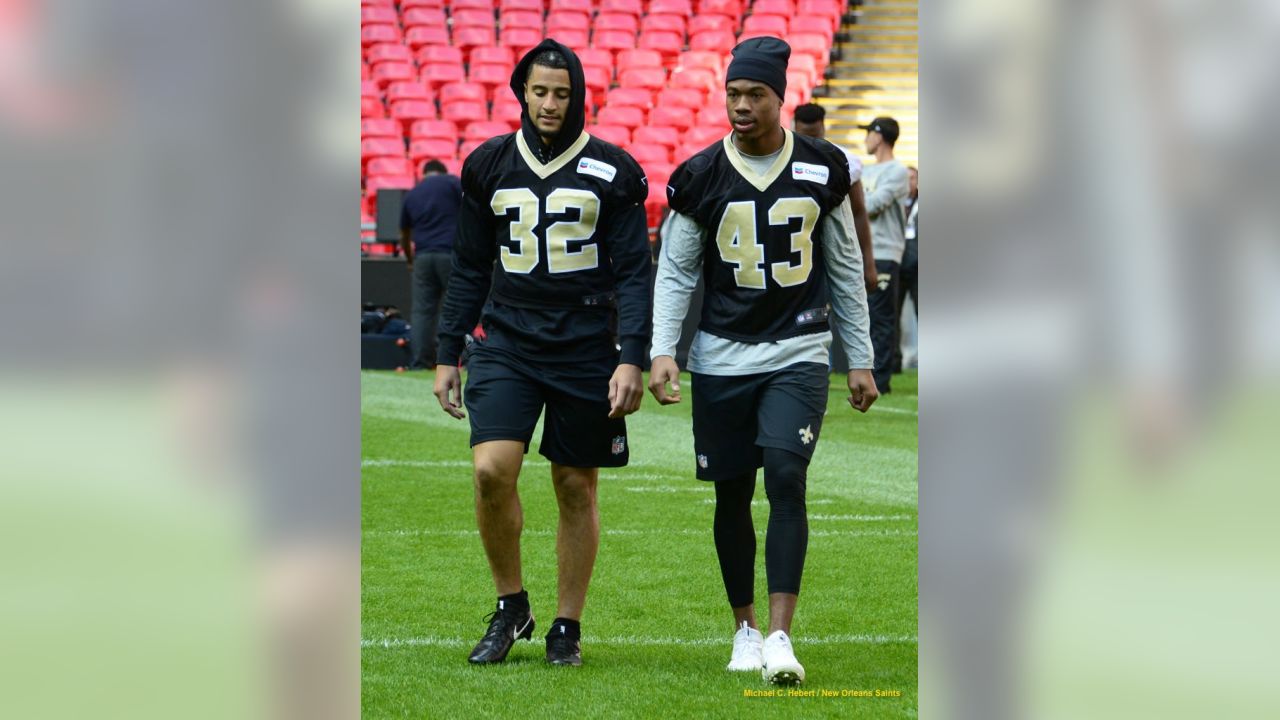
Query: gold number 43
[[559, 258], [736, 240]]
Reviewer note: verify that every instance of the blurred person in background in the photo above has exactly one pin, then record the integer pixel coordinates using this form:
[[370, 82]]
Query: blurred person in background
[[430, 218], [810, 121], [886, 185], [907, 280]]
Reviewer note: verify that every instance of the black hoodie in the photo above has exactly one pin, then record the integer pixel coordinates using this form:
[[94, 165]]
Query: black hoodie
[[575, 117], [558, 233]]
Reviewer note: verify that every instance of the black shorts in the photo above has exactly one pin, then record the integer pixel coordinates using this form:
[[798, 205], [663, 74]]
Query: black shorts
[[736, 416], [505, 393]]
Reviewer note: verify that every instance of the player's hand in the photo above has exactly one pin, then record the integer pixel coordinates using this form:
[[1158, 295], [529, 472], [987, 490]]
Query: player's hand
[[663, 371], [449, 390], [862, 390], [870, 278], [626, 389]]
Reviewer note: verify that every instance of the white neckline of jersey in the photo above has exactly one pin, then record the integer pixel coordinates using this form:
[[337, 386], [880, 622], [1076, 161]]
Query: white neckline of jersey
[[760, 182], [544, 171]]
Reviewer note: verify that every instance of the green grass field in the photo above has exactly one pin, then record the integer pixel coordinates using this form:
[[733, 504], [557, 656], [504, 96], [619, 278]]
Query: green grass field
[[657, 630]]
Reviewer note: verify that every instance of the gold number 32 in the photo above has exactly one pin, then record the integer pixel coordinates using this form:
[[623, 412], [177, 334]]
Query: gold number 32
[[560, 259], [736, 239]]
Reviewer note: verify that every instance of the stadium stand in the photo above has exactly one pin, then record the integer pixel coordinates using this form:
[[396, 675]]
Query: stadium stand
[[435, 73]]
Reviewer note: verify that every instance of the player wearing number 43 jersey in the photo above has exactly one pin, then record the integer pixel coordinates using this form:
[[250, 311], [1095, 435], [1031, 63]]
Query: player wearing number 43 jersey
[[764, 216], [552, 233]]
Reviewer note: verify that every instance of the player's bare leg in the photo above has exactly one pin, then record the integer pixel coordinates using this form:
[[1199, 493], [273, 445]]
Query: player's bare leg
[[578, 537], [782, 607], [745, 614], [498, 511]]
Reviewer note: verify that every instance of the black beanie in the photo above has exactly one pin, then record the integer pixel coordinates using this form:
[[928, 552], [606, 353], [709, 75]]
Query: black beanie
[[763, 59]]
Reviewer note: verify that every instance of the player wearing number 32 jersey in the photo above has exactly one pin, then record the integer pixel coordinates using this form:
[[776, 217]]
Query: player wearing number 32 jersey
[[552, 250], [763, 216]]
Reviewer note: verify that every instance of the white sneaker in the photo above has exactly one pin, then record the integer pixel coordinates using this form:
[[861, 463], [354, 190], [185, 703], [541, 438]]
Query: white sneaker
[[780, 664], [747, 646]]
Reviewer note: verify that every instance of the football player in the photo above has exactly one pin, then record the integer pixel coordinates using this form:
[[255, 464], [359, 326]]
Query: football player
[[764, 216], [553, 234]]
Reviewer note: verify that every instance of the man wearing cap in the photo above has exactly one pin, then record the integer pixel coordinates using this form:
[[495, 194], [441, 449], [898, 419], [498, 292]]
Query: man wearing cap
[[886, 185], [763, 215]]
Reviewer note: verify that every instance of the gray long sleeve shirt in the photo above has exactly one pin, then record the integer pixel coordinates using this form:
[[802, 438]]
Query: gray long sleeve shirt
[[680, 266], [885, 185]]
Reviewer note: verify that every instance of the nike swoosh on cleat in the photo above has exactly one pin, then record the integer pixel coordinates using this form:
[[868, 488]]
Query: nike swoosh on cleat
[[515, 632]]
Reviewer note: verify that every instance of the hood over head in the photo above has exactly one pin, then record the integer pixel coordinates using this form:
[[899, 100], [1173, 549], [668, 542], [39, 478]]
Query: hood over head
[[575, 116]]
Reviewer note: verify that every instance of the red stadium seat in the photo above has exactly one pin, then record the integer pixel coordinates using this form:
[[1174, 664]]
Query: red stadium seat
[[632, 7], [671, 116], [529, 5], [380, 127], [597, 78], [374, 34], [364, 70], [703, 136], [439, 55], [775, 25], [410, 111], [697, 78], [567, 20], [406, 4], [416, 37], [628, 117], [378, 15], [804, 65], [485, 129], [728, 8], [408, 90], [667, 137], [382, 182], [811, 44], [493, 77], [469, 37], [496, 55], [506, 109], [630, 97], [462, 91], [582, 6], [812, 24], [369, 88], [423, 17], [464, 111], [467, 146], [680, 99], [784, 8], [521, 19], [434, 130], [711, 23], [572, 38], [659, 173], [614, 40], [715, 62], [433, 76], [372, 107], [713, 116], [801, 81], [668, 43], [380, 147], [713, 40], [521, 37], [474, 5], [652, 78], [682, 8], [666, 23], [383, 52], [431, 149], [596, 57], [639, 58], [462, 18], [617, 21], [616, 134], [829, 9], [389, 72], [389, 166], [648, 153]]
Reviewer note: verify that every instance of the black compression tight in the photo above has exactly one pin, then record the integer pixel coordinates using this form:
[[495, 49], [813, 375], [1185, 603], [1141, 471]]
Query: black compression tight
[[787, 538]]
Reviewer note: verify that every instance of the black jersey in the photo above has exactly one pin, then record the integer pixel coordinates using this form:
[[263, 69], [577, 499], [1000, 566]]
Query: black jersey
[[763, 252], [558, 246]]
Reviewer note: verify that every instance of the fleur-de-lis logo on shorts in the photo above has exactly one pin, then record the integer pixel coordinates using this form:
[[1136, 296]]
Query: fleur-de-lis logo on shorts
[[806, 434]]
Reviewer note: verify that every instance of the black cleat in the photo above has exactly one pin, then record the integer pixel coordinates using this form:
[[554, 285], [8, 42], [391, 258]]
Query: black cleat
[[505, 627], [562, 649]]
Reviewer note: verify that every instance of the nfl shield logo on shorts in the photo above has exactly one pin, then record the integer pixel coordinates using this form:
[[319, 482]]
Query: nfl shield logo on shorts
[[619, 444]]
